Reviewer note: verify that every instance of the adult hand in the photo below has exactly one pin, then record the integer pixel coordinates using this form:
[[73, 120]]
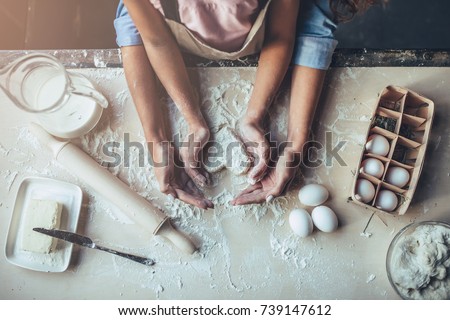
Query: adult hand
[[173, 180], [275, 183]]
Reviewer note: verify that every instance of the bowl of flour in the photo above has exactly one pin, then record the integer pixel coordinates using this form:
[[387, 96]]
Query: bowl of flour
[[418, 261]]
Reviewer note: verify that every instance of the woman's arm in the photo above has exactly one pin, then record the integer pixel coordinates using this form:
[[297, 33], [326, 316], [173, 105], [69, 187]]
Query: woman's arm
[[275, 55], [273, 63], [306, 88]]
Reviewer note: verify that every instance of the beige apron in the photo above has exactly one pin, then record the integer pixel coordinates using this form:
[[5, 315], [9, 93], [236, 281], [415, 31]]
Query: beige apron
[[189, 43]]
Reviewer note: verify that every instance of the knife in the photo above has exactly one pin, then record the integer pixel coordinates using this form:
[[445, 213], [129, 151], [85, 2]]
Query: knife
[[87, 242]]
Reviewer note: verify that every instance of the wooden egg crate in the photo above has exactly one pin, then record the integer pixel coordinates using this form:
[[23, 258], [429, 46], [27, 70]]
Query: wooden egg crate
[[404, 118]]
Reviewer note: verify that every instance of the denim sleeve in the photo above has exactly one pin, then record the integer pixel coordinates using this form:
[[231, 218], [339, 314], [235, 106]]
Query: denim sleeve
[[126, 31], [315, 42]]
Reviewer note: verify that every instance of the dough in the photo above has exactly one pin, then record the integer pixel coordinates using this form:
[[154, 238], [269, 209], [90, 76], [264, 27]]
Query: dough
[[420, 264]]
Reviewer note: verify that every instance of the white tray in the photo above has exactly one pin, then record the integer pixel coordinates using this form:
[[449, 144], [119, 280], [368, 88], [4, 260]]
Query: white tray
[[70, 197]]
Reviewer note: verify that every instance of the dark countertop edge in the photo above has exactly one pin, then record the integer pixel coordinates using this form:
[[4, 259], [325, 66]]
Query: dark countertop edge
[[111, 58]]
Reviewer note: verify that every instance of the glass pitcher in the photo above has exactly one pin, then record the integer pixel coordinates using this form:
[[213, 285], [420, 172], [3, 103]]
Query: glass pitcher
[[66, 103]]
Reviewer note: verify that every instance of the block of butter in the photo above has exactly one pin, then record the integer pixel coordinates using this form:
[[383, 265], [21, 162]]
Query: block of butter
[[40, 214]]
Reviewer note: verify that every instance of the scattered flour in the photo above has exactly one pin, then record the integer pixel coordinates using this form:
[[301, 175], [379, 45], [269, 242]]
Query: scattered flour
[[121, 98], [159, 289], [370, 278], [99, 61], [8, 176], [222, 103], [222, 106], [3, 151], [365, 234]]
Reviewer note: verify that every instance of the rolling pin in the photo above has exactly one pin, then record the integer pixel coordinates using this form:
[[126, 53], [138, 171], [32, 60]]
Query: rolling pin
[[112, 189]]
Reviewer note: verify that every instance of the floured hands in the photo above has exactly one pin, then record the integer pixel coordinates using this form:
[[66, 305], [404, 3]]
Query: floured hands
[[252, 133], [190, 155], [173, 179], [275, 183]]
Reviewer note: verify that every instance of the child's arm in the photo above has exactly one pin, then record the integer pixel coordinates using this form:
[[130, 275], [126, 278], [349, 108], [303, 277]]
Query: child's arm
[[165, 57], [143, 88], [142, 85], [273, 63], [168, 65]]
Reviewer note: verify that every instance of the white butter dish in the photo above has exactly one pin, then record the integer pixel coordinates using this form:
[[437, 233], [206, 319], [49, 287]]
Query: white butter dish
[[70, 197]]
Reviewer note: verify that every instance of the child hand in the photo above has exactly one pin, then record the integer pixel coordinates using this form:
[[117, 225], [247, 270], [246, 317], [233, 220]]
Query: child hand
[[173, 180], [275, 183], [190, 155], [257, 146]]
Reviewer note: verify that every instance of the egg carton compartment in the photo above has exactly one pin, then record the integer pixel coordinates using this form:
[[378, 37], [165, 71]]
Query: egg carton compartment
[[402, 200], [413, 155], [406, 151], [364, 193], [417, 105], [392, 98], [413, 158], [373, 169], [390, 137], [413, 128], [387, 119], [404, 118], [389, 177]]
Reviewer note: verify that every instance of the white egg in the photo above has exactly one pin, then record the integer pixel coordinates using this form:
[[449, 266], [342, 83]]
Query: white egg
[[324, 219], [377, 144], [372, 166], [301, 222], [364, 190], [397, 176], [313, 195], [386, 200]]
